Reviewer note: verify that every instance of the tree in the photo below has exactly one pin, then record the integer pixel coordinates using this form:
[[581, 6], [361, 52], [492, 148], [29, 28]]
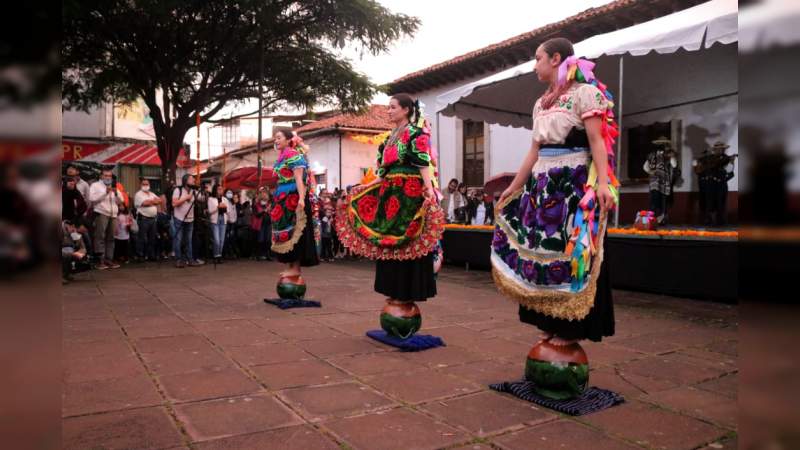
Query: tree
[[190, 57]]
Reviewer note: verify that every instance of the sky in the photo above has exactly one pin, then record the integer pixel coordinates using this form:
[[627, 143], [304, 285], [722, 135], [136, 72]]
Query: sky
[[448, 28]]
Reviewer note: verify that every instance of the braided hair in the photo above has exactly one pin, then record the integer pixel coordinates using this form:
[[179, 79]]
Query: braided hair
[[406, 101]]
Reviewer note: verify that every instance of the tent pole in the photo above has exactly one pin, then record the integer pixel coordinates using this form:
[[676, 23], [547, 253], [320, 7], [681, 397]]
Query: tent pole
[[619, 138], [438, 150]]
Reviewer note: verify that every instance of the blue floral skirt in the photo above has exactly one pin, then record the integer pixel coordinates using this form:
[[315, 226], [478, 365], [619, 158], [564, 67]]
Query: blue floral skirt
[[547, 248]]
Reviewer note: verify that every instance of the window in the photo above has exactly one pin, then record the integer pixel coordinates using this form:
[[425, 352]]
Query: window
[[473, 153], [640, 144], [230, 133]]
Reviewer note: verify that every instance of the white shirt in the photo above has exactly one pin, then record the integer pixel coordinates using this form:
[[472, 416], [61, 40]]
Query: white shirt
[[83, 187], [480, 215], [122, 233], [146, 211], [232, 215], [213, 209], [185, 211], [103, 201]]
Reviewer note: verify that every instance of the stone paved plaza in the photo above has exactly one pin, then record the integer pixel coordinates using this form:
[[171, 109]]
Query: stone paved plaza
[[160, 358]]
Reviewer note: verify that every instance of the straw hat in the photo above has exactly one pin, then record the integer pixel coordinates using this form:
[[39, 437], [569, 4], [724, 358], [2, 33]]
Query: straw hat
[[719, 145], [662, 140]]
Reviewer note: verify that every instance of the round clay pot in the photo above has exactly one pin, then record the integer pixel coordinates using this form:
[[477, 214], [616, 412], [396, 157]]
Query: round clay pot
[[293, 287], [401, 320], [559, 372]]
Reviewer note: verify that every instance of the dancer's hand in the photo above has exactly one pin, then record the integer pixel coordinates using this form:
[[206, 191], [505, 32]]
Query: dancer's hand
[[604, 197], [429, 193], [301, 204], [507, 193]]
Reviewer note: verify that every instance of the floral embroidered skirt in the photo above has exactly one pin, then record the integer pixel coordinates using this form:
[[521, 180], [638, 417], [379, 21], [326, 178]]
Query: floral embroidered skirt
[[393, 223], [547, 248], [292, 230]]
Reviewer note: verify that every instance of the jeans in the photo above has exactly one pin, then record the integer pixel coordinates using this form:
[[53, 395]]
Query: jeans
[[218, 234], [182, 234], [146, 238]]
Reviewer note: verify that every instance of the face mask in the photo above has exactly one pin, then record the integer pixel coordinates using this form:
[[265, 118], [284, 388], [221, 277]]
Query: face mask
[[146, 188], [107, 182], [229, 195], [75, 236], [263, 202]]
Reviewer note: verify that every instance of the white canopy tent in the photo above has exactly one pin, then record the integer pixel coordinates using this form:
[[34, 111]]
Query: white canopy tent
[[670, 53], [507, 97]]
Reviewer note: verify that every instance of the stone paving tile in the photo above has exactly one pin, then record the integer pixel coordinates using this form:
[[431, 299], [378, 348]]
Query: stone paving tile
[[251, 355], [231, 416], [487, 372], [443, 357], [183, 361], [345, 345], [727, 385], [559, 435], [78, 350], [421, 385], [653, 427], [691, 401], [387, 430], [373, 363], [334, 400], [163, 344], [298, 373], [148, 428], [207, 384], [108, 395], [670, 368], [292, 438], [488, 413], [95, 368]]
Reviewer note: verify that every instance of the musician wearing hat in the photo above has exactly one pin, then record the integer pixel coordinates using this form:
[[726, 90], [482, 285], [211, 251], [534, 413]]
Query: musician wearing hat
[[714, 169], [661, 166]]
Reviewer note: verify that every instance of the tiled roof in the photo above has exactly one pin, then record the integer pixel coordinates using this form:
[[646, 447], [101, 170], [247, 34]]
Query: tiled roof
[[375, 118], [519, 49]]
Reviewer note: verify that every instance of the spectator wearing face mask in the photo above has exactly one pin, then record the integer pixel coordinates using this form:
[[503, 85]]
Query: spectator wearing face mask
[[105, 199], [146, 203], [73, 252], [229, 250]]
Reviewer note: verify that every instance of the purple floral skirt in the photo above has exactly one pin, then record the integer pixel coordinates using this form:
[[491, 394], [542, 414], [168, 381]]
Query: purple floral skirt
[[548, 244]]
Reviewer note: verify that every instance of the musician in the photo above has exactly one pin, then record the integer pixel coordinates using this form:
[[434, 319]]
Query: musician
[[714, 169], [661, 166]]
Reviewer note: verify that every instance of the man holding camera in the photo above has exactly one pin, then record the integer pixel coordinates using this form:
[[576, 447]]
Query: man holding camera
[[183, 201], [105, 197]]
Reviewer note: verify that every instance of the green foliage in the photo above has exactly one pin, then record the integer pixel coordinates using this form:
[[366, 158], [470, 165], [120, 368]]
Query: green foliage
[[190, 57]]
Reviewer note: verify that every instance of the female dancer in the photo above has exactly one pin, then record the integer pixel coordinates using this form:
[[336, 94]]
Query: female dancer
[[290, 213], [396, 218], [547, 250]]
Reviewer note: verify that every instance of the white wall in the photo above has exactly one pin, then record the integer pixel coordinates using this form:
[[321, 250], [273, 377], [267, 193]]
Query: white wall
[[504, 146], [81, 124], [355, 156]]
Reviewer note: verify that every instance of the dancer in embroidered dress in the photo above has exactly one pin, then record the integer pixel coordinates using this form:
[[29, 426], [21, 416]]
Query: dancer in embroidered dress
[[396, 219], [291, 215], [547, 250]]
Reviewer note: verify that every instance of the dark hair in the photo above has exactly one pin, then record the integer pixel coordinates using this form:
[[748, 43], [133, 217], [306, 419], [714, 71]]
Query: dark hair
[[214, 190], [406, 101], [559, 45], [451, 181], [461, 185], [288, 134]]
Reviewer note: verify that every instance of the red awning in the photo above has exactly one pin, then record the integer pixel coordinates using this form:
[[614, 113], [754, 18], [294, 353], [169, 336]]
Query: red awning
[[145, 154], [247, 178]]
